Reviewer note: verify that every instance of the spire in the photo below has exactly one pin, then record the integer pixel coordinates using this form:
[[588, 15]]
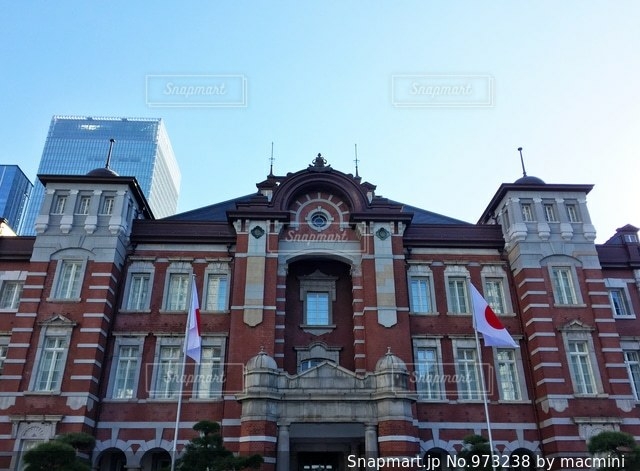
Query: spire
[[356, 159], [271, 159], [524, 172], [111, 142]]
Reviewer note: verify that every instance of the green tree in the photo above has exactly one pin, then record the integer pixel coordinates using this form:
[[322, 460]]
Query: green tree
[[53, 456], [61, 453], [207, 453], [616, 444], [476, 445]]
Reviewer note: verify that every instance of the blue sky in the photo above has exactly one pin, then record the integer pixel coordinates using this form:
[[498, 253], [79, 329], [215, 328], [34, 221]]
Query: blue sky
[[319, 79]]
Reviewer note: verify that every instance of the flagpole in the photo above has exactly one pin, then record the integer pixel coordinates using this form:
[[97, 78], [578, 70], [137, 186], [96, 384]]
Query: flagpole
[[482, 379], [180, 380]]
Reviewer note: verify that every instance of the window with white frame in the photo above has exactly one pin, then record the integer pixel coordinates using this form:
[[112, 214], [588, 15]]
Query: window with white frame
[[59, 204], [69, 279], [108, 203], [216, 292], [468, 374], [563, 285], [84, 204], [421, 294], [139, 290], [632, 360], [4, 347], [619, 302], [209, 377], [51, 362], [177, 292], [581, 367], [508, 378], [428, 375], [10, 294], [317, 293], [549, 212], [457, 295], [167, 374], [494, 294], [317, 308], [127, 365], [572, 212], [527, 212]]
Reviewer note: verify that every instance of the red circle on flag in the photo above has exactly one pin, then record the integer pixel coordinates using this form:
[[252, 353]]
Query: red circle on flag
[[492, 319]]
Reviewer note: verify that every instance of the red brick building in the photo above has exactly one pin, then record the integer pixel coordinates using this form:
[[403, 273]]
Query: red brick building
[[334, 322]]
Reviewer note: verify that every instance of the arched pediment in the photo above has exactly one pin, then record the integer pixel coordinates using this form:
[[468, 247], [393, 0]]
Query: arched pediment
[[344, 186]]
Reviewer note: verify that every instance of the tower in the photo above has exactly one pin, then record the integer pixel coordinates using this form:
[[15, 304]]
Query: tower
[[67, 305], [77, 144], [580, 383]]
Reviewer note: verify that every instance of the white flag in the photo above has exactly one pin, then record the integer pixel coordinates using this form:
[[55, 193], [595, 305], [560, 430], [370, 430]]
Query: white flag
[[193, 341]]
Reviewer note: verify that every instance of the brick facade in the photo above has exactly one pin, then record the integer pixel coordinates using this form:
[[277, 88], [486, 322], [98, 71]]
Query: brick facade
[[335, 322]]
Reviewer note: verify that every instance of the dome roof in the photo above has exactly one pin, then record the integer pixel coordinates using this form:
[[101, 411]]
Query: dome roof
[[529, 180], [262, 361], [390, 362], [102, 172]]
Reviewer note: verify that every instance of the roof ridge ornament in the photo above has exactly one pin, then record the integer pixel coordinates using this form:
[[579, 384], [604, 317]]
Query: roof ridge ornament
[[319, 164], [319, 161]]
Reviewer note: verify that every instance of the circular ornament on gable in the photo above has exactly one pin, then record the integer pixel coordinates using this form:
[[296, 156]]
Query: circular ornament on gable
[[319, 219], [257, 232], [382, 233]]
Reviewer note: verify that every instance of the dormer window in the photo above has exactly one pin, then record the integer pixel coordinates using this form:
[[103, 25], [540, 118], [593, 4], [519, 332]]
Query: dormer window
[[83, 205], [549, 213], [59, 204]]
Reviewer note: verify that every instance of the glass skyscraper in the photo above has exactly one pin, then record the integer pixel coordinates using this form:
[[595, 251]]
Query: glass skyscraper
[[76, 145], [15, 189]]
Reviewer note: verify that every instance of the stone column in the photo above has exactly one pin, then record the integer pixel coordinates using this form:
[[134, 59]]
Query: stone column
[[370, 441], [282, 457]]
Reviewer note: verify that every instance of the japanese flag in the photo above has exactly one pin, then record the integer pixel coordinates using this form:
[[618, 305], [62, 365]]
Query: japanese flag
[[488, 324]]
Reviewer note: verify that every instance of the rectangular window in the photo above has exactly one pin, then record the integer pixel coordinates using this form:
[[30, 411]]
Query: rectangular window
[[633, 238], [494, 294], [4, 347], [527, 212], [83, 205], [69, 280], [178, 292], [59, 204], [138, 299], [572, 213], [216, 295], [50, 366], [10, 294], [468, 375], [317, 308], [619, 302], [563, 290], [581, 369], [458, 303], [126, 372], [632, 359], [168, 371], [209, 378], [549, 213], [107, 205], [428, 374], [508, 375], [421, 294]]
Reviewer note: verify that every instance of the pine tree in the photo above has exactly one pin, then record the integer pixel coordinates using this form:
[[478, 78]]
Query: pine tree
[[207, 453]]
